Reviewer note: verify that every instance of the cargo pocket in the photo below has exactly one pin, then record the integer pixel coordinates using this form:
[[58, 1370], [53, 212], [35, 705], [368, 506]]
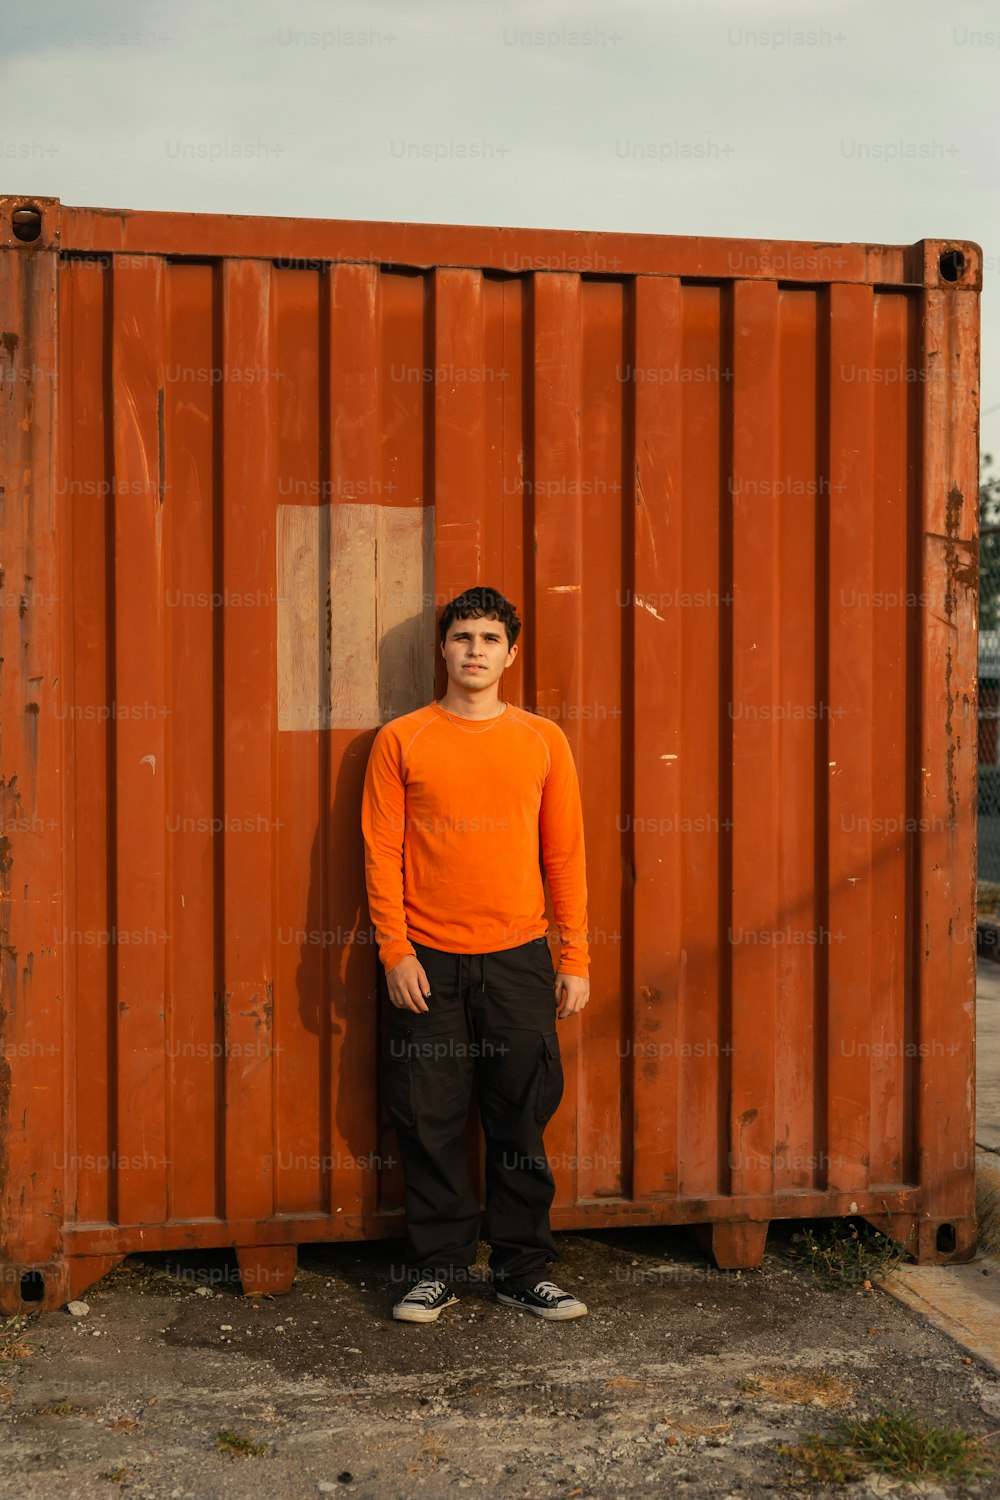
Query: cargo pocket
[[399, 1077], [550, 1088]]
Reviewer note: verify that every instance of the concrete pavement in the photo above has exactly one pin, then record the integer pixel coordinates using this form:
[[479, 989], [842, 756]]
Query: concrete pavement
[[964, 1300]]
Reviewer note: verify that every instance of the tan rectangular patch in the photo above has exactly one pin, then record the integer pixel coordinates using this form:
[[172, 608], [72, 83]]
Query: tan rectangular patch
[[356, 614]]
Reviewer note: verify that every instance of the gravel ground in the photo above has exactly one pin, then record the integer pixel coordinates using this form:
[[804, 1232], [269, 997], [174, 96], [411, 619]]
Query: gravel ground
[[647, 1395]]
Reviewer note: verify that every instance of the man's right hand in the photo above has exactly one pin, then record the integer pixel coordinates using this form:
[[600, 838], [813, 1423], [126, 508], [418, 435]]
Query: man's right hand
[[408, 984]]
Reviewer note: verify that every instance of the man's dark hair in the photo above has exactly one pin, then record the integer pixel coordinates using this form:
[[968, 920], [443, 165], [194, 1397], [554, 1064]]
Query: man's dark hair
[[474, 604]]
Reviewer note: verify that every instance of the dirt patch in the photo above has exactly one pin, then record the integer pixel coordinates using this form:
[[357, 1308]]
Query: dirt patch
[[682, 1378]]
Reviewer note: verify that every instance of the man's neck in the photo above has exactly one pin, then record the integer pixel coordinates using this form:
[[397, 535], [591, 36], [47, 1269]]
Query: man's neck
[[472, 707]]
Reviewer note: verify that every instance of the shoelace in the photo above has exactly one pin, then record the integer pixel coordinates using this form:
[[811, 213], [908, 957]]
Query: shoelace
[[549, 1289], [425, 1291]]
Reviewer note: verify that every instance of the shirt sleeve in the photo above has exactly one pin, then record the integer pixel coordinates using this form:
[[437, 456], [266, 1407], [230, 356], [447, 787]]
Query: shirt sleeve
[[383, 821], [560, 826]]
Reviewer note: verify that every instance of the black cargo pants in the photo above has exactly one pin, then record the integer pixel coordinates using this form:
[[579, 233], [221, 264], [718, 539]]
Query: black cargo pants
[[490, 1017]]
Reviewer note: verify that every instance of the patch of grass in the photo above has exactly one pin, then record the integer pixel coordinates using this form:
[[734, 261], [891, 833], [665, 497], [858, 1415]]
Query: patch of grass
[[844, 1257], [117, 1476], [13, 1344], [14, 1349], [431, 1448], [57, 1409], [232, 1443], [699, 1429], [803, 1387], [894, 1442]]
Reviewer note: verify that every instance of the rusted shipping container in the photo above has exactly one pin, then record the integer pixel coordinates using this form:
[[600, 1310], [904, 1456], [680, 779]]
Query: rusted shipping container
[[731, 486]]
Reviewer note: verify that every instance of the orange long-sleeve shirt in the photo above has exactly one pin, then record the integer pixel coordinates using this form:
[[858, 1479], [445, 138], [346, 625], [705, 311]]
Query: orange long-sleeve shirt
[[455, 815]]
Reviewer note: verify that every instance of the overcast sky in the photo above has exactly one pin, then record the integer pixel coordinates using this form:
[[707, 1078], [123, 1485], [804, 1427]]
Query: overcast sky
[[780, 120]]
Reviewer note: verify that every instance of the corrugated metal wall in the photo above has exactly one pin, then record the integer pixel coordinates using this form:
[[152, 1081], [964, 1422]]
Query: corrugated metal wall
[[713, 501]]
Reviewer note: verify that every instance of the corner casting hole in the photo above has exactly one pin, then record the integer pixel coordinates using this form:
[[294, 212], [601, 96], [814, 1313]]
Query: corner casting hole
[[946, 1239], [27, 223], [952, 264], [32, 1286]]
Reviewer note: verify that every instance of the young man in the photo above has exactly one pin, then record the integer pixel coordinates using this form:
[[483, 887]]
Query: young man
[[461, 799]]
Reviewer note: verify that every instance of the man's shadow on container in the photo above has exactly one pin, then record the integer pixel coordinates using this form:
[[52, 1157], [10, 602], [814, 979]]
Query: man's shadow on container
[[339, 979]]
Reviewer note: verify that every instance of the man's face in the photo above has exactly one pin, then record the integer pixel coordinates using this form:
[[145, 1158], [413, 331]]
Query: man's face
[[476, 653]]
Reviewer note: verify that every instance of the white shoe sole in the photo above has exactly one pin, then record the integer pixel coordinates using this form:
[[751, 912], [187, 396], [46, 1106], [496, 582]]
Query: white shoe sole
[[421, 1314], [550, 1314]]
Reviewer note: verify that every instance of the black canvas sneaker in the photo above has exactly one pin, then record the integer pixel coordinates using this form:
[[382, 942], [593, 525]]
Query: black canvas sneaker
[[424, 1301], [545, 1300]]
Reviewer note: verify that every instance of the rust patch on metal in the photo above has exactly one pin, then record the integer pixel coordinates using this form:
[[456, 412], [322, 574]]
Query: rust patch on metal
[[965, 569], [963, 573], [261, 1012], [31, 732], [10, 342]]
